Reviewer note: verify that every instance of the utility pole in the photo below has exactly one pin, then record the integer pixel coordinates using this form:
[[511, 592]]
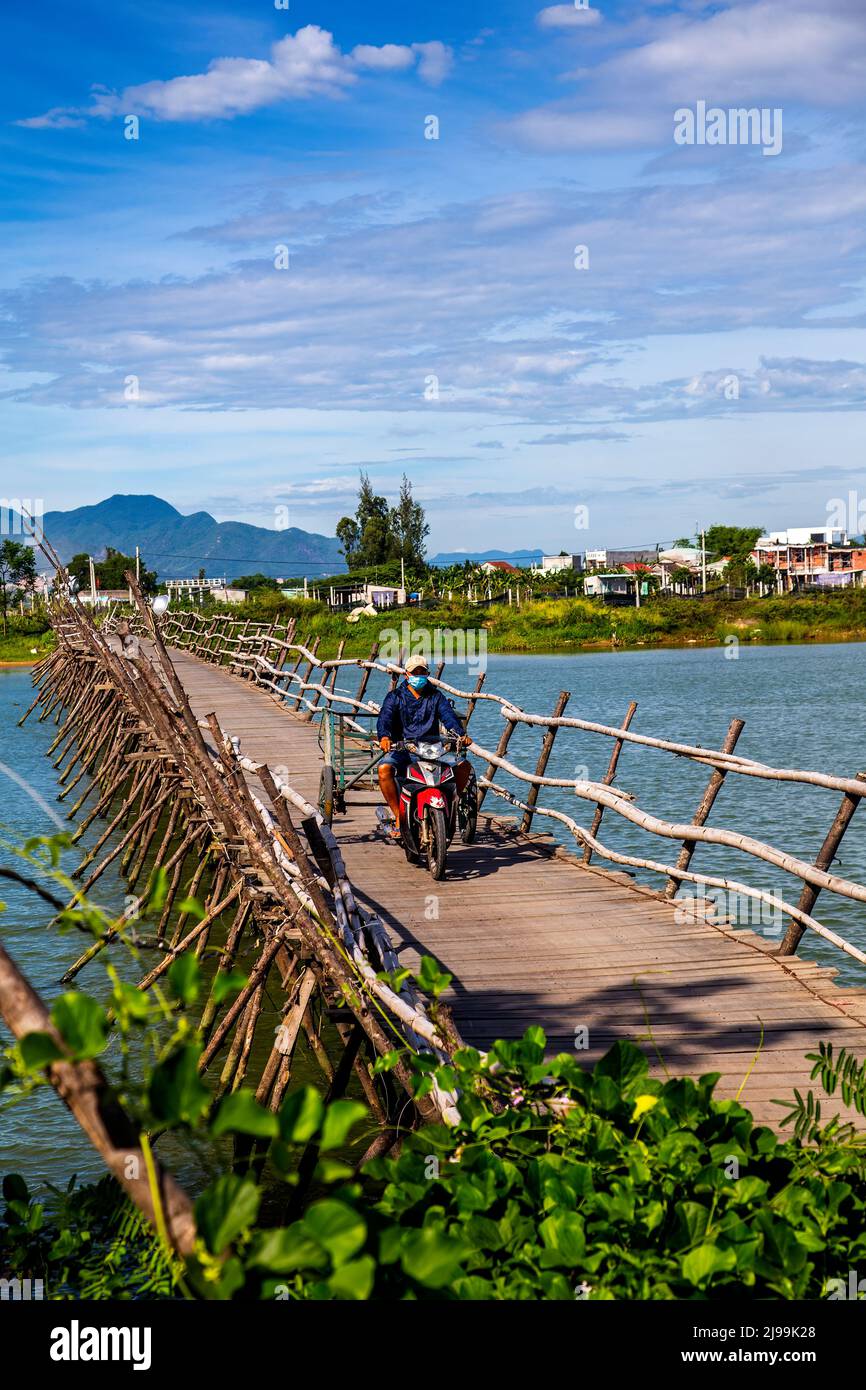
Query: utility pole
[[703, 562], [92, 581], [137, 571]]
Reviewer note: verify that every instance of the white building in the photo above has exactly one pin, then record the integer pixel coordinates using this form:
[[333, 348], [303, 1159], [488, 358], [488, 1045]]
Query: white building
[[804, 535], [555, 564]]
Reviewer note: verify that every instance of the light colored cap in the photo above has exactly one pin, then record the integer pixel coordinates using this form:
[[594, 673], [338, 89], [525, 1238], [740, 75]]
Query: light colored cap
[[416, 663]]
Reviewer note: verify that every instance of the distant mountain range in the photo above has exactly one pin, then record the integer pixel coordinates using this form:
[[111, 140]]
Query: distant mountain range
[[521, 558], [177, 546]]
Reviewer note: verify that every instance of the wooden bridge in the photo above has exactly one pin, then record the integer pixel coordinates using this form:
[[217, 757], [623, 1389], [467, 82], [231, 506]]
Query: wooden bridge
[[534, 936], [198, 738]]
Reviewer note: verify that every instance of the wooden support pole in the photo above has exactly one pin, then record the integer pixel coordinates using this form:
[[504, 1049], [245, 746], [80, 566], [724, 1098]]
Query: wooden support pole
[[543, 759], [609, 776], [714, 786], [826, 855]]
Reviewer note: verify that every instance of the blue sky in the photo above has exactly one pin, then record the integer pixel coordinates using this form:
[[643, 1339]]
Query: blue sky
[[705, 360]]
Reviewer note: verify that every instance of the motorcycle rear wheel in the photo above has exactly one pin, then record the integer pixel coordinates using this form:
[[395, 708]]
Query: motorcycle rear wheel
[[467, 811]]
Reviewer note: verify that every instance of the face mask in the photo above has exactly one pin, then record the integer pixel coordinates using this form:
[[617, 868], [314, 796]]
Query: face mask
[[417, 682]]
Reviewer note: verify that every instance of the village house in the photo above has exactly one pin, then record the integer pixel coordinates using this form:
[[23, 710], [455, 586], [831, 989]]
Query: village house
[[499, 567], [812, 557]]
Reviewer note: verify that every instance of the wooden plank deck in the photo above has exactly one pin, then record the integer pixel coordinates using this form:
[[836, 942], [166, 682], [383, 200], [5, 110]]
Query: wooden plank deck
[[534, 937]]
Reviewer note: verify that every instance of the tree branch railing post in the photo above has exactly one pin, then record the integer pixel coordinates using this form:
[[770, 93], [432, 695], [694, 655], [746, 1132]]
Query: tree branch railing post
[[501, 749], [543, 759], [608, 778], [367, 673], [473, 699], [826, 855], [311, 666], [714, 786]]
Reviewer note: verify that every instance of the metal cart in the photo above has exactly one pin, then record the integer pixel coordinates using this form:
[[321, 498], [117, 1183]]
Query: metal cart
[[351, 757]]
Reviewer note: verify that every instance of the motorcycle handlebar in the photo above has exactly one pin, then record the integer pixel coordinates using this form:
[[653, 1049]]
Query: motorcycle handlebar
[[402, 745]]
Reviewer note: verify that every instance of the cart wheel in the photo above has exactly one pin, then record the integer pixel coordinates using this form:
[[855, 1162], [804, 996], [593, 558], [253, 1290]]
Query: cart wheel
[[326, 793]]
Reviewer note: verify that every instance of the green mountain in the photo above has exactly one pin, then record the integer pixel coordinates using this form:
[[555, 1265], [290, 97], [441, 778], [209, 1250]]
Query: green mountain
[[177, 546]]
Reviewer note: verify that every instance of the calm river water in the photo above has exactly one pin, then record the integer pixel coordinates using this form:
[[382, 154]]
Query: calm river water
[[802, 705]]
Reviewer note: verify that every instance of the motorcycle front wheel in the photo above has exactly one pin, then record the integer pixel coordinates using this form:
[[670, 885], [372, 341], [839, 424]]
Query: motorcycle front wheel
[[437, 842]]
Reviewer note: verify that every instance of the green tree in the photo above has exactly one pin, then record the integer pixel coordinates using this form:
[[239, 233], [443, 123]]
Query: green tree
[[409, 527], [251, 582], [371, 519], [110, 571], [17, 566], [349, 537], [736, 541]]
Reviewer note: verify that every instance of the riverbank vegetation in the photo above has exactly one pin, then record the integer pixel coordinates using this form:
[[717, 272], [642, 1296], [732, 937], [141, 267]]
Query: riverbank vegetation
[[540, 625], [575, 624]]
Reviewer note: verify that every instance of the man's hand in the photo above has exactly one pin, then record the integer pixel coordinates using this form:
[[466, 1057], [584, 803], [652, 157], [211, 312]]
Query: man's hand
[[464, 741], [385, 745]]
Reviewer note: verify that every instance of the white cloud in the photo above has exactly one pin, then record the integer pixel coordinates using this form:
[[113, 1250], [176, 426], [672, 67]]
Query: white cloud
[[570, 16], [301, 66], [372, 308], [391, 57], [435, 60], [752, 52], [769, 49], [58, 118], [558, 129]]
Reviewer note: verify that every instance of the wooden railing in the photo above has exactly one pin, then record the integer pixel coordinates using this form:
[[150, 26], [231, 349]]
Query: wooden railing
[[292, 672]]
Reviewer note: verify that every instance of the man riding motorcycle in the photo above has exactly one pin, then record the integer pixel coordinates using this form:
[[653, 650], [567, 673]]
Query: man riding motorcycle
[[413, 712]]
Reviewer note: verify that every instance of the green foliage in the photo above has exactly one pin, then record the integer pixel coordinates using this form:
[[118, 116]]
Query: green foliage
[[84, 1243], [556, 1181], [735, 541], [842, 1072]]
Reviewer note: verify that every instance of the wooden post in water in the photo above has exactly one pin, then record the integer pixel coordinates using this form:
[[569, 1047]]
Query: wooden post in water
[[543, 758], [714, 786], [826, 855], [608, 777]]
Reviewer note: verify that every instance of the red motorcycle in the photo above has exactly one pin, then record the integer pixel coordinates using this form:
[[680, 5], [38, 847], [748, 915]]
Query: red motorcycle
[[432, 810]]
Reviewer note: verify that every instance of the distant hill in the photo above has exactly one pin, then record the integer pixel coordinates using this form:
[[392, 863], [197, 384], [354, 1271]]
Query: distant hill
[[178, 546], [522, 558]]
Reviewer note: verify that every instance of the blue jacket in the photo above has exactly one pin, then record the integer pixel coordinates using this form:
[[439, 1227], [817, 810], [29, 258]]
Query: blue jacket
[[416, 718]]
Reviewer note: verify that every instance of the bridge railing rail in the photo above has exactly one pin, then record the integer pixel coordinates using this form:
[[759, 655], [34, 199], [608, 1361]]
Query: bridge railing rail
[[274, 657]]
